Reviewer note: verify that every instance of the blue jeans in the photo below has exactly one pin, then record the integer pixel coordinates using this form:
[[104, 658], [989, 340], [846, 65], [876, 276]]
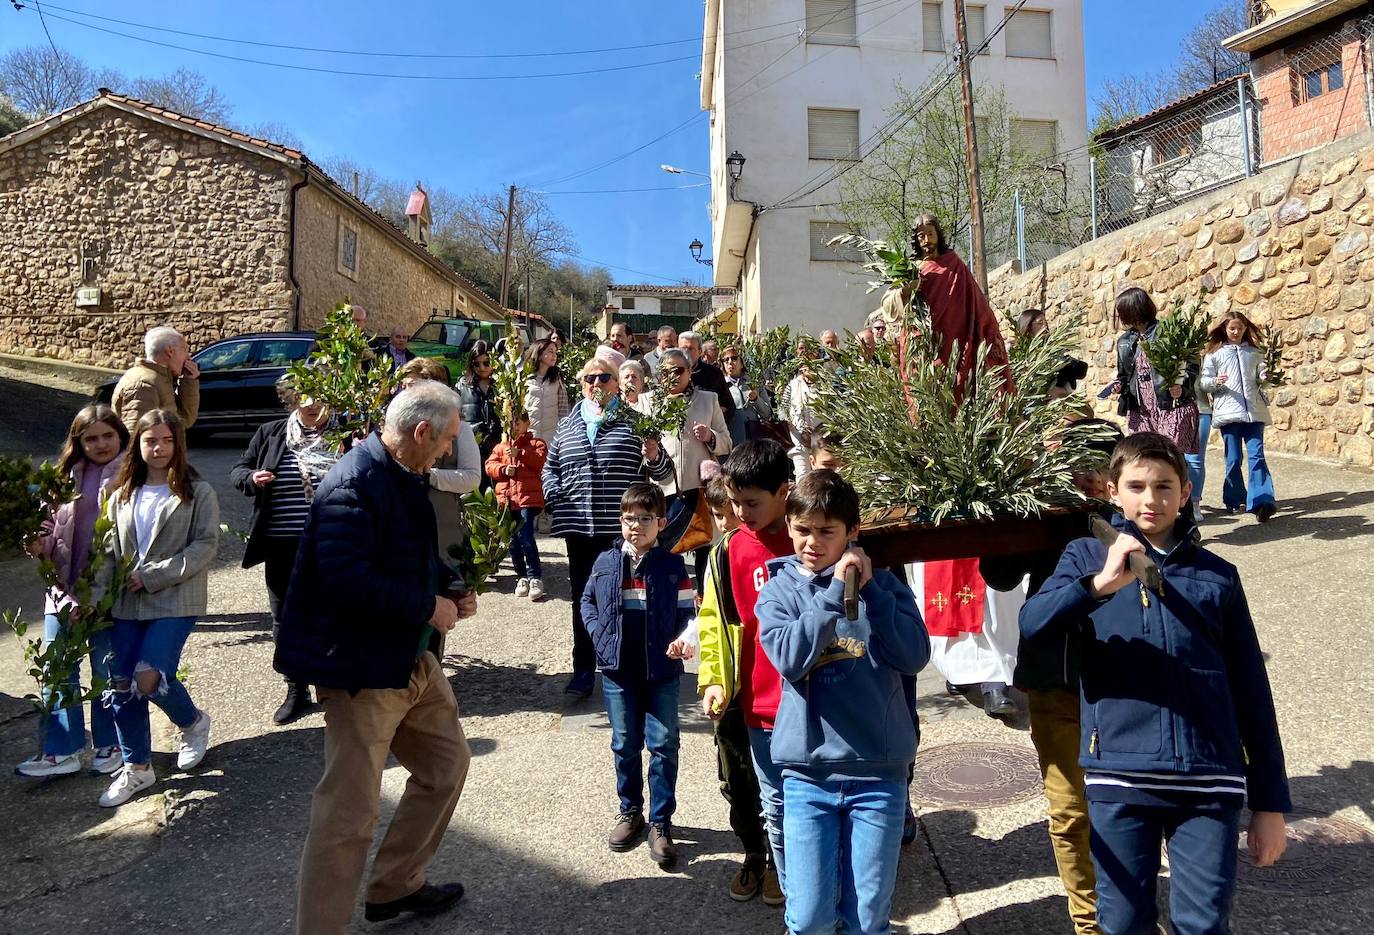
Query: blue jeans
[[643, 712], [1197, 464], [524, 553], [770, 795], [148, 646], [1246, 437], [67, 726], [843, 842], [1202, 866]]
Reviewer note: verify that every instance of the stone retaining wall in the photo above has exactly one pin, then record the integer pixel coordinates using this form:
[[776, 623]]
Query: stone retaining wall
[[1292, 247]]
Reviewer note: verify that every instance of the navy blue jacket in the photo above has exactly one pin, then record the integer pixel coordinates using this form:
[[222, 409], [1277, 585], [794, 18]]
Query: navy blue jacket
[[844, 712], [366, 574], [1177, 687], [669, 604]]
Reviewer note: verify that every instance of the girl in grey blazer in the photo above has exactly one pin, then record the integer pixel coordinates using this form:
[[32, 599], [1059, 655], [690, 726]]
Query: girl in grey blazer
[[166, 531]]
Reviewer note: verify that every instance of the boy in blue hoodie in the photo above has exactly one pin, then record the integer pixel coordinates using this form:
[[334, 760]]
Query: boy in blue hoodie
[[638, 600], [1178, 725], [844, 735]]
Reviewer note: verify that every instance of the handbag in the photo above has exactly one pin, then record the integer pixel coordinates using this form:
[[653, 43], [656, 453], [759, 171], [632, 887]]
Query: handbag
[[700, 528]]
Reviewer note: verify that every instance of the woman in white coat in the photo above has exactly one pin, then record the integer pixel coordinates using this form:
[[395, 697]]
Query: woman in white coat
[[1233, 372]]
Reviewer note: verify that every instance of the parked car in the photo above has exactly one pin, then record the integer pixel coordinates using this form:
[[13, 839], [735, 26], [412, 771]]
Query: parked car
[[450, 339], [238, 379]]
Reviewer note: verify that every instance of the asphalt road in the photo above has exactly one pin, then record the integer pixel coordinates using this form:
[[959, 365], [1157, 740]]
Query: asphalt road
[[217, 849]]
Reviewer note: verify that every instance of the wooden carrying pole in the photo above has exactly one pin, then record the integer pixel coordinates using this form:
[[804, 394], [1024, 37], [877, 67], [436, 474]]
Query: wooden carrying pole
[[975, 197], [505, 264]]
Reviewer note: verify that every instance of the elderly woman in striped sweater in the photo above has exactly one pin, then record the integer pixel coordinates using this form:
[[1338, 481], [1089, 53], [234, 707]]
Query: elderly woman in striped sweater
[[593, 459]]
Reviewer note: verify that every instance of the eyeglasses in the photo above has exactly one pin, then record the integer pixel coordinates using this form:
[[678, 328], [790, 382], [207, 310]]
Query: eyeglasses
[[674, 372], [592, 379], [640, 519]]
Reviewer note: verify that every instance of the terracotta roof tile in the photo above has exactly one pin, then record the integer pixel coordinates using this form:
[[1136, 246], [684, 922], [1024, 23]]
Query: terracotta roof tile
[[1134, 122], [202, 124]]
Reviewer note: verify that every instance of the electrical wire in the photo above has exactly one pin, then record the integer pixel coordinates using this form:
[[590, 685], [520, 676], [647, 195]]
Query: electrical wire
[[622, 156], [619, 191], [62, 62], [676, 280], [435, 55]]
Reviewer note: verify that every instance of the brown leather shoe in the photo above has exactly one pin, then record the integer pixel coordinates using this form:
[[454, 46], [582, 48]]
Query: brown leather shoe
[[628, 827], [661, 847], [772, 889]]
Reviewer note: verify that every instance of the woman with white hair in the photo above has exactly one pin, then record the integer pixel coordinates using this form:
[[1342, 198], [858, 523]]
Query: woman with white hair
[[593, 459]]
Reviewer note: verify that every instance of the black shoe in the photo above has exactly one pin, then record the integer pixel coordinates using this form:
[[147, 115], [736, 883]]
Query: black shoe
[[581, 684], [428, 900], [1265, 512], [996, 703], [296, 704], [956, 690]]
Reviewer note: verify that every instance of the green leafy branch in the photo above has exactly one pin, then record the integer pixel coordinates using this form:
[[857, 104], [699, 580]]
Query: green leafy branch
[[1180, 339], [491, 528], [345, 374], [1274, 375], [510, 375]]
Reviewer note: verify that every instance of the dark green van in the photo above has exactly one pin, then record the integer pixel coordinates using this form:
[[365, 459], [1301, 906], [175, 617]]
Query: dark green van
[[449, 339]]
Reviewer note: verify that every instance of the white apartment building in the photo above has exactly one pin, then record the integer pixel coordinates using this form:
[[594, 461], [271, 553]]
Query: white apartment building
[[796, 86]]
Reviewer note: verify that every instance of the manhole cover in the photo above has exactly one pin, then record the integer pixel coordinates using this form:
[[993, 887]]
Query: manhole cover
[[1325, 855], [975, 775]]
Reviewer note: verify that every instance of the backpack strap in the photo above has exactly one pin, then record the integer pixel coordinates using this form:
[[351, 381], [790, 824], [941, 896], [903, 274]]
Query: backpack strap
[[728, 610]]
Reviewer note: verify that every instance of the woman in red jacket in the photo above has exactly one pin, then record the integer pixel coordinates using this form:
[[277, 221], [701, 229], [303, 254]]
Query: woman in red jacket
[[515, 467]]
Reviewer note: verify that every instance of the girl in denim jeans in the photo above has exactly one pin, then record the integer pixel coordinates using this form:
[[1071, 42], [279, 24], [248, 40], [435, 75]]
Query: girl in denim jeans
[[167, 528], [515, 467], [91, 457]]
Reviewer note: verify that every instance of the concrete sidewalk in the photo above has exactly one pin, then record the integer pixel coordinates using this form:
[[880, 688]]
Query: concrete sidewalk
[[216, 850]]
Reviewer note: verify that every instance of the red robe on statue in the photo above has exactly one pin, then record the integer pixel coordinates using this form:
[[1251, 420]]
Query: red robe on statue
[[960, 312]]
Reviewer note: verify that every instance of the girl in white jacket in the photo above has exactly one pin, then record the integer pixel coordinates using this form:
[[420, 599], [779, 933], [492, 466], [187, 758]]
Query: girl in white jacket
[[1234, 373]]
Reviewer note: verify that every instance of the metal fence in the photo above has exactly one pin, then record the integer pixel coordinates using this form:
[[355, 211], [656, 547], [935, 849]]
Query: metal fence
[[1294, 99]]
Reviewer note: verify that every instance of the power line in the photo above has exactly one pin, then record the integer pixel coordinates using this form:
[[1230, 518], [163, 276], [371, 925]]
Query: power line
[[433, 55], [676, 280], [625, 155], [618, 191], [61, 61], [372, 74]]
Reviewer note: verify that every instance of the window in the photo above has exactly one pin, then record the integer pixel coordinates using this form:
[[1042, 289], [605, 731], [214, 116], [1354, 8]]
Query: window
[[932, 29], [279, 352], [628, 303], [232, 355], [684, 307], [976, 26], [1029, 35], [830, 22], [347, 260], [821, 249], [1321, 80], [449, 333], [1037, 139], [1178, 142], [832, 134]]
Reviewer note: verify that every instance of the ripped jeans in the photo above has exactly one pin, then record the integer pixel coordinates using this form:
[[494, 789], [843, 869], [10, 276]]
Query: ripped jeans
[[148, 646]]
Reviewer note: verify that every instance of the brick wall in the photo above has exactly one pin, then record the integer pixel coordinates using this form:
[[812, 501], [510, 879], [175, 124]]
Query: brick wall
[[1292, 247], [180, 229], [1290, 124]]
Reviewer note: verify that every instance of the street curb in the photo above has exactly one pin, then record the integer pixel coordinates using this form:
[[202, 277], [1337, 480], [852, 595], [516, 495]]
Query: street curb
[[48, 371]]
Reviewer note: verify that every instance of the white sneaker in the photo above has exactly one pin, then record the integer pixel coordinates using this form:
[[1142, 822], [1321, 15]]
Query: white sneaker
[[195, 740], [536, 589], [105, 760], [45, 765], [522, 587], [128, 782]]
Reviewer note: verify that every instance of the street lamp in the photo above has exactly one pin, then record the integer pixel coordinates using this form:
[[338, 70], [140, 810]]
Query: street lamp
[[696, 246], [674, 170], [735, 163]]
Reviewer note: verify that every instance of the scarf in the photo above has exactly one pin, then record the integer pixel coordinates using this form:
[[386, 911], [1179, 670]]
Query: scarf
[[314, 455], [593, 413]]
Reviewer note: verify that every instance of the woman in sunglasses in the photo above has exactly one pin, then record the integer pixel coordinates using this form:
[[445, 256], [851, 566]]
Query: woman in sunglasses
[[480, 408], [593, 459], [751, 403]]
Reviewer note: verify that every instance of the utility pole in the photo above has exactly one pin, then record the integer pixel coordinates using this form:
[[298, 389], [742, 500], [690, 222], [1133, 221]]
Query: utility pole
[[505, 264], [975, 196], [529, 303]]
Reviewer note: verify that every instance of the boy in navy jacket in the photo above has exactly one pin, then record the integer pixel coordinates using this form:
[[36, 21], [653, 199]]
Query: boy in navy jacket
[[637, 601], [844, 736], [1178, 721]]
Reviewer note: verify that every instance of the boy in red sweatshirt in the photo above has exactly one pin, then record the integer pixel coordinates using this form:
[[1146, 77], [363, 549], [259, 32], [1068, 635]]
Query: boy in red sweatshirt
[[515, 466]]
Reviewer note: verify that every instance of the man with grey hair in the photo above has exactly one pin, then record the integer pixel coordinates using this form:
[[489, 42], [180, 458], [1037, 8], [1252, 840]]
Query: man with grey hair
[[667, 337], [166, 378], [367, 593], [706, 375]]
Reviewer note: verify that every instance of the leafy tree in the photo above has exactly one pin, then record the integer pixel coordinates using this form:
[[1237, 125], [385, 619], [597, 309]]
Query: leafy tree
[[11, 117], [186, 92]]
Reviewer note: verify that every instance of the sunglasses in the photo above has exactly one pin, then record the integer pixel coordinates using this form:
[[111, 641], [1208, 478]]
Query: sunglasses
[[674, 372], [592, 379]]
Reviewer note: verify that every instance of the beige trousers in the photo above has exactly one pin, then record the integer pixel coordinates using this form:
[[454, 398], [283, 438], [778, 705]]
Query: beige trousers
[[419, 724]]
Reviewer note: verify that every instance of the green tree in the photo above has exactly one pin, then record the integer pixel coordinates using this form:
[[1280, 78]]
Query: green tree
[[11, 117]]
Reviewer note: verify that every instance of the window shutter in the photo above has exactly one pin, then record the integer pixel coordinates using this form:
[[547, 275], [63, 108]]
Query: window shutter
[[1029, 35], [932, 29], [1035, 138], [821, 249], [830, 22], [976, 26], [832, 134]]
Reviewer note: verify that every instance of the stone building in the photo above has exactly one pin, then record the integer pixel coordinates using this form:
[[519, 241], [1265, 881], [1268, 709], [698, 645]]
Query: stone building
[[1292, 247], [117, 215]]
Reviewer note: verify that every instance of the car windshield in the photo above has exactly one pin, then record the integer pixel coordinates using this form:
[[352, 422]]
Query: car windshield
[[275, 353], [230, 354], [451, 333]]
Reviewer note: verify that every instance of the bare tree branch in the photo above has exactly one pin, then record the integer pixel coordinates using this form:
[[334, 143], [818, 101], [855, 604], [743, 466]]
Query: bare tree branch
[[41, 81], [186, 92]]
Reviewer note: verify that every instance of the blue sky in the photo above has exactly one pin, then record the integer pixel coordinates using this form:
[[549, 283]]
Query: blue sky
[[484, 135]]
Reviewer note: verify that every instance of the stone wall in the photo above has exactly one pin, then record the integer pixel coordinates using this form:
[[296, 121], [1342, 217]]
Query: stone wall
[[391, 282], [1291, 248], [174, 228]]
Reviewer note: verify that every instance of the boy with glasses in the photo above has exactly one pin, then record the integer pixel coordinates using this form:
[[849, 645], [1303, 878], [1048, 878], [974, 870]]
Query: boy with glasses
[[637, 602]]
